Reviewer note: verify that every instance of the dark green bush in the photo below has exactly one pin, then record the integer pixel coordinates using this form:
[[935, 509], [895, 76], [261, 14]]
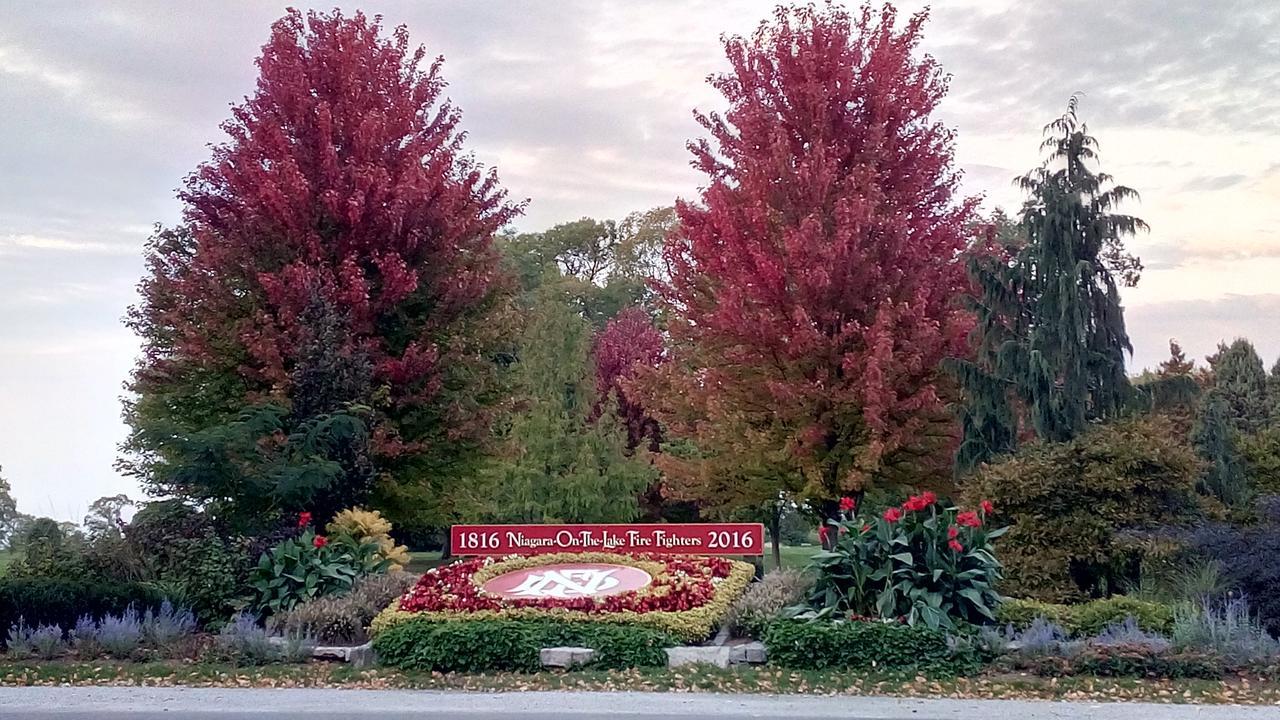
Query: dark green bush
[[1088, 619], [855, 645], [1071, 506], [513, 645], [1124, 661], [345, 618], [61, 601]]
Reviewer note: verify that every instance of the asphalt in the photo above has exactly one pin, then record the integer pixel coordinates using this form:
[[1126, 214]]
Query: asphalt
[[131, 703]]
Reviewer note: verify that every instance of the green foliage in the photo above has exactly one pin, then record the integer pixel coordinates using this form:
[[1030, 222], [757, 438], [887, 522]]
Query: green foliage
[[1051, 333], [266, 460], [1088, 619], [305, 568], [1217, 442], [61, 601], [513, 645], [184, 551], [9, 515], [857, 645], [910, 569], [1240, 379], [764, 600], [1260, 452], [1071, 504], [557, 462]]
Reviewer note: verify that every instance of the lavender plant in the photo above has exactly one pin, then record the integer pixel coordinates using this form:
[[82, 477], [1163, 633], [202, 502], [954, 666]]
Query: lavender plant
[[1229, 629], [168, 625], [245, 642], [46, 640], [84, 637], [120, 635], [1127, 633], [20, 640]]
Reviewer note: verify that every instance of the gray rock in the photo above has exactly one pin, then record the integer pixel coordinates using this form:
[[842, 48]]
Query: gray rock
[[695, 655], [748, 654], [357, 655], [565, 657]]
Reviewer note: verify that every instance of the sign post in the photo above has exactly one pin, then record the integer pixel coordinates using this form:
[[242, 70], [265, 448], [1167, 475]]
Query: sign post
[[656, 539]]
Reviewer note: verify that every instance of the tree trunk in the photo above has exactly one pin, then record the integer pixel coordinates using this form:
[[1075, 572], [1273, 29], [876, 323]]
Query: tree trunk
[[775, 532]]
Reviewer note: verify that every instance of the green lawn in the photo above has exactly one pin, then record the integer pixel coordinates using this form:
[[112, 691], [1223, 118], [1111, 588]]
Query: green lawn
[[792, 557]]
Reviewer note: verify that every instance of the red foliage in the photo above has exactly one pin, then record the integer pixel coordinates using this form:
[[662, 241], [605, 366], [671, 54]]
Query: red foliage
[[687, 583], [814, 286], [629, 341], [344, 177]]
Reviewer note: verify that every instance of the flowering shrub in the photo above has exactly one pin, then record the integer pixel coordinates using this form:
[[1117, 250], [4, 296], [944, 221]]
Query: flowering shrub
[[687, 597], [918, 562], [309, 567]]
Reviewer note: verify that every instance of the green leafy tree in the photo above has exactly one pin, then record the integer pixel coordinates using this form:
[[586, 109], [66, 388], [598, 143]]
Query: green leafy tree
[[557, 461], [1073, 506], [1240, 379], [9, 515], [1050, 333], [602, 266], [1218, 442], [106, 516]]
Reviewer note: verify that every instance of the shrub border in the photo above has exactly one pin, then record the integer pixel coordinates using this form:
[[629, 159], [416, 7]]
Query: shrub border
[[691, 625]]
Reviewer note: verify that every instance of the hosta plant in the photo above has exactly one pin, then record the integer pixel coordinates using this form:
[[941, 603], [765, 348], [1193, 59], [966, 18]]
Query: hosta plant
[[919, 563], [311, 566]]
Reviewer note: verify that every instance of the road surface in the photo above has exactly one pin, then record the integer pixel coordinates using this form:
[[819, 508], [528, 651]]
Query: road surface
[[133, 703]]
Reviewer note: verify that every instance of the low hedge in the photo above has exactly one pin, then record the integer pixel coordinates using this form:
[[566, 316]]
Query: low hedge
[[862, 645], [1088, 619], [60, 601], [513, 645]]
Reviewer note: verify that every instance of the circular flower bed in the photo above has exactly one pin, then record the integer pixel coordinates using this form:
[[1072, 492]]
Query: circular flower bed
[[686, 596]]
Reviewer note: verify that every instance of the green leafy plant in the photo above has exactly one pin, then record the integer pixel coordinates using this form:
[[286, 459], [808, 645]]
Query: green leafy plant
[[1073, 506], [863, 645], [918, 562], [309, 567], [1089, 618], [514, 645]]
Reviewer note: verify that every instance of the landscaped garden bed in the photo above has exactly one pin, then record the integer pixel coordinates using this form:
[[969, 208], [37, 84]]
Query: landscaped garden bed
[[686, 597]]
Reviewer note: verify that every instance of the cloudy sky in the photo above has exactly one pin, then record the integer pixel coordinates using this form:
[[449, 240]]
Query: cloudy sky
[[584, 107]]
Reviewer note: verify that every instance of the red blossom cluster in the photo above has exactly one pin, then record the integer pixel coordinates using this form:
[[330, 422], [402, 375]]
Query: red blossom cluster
[[684, 584]]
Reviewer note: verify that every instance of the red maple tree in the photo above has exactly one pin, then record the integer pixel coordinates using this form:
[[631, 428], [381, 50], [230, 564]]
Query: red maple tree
[[344, 186], [628, 343], [812, 290]]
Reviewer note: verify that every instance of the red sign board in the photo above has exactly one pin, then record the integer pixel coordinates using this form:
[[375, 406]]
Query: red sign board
[[658, 539]]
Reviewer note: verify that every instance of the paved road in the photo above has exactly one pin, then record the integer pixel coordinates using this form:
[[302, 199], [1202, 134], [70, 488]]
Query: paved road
[[129, 703]]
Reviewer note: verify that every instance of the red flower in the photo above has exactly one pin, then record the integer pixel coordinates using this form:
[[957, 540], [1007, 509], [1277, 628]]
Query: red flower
[[320, 541], [987, 507], [914, 503], [953, 532], [929, 498], [892, 515], [865, 527], [955, 545], [304, 519], [968, 518], [847, 504], [822, 534]]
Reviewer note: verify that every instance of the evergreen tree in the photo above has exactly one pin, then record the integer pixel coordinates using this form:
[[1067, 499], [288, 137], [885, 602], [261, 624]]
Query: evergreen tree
[[1240, 378], [1177, 365], [1273, 392], [559, 462], [1050, 331], [1218, 443]]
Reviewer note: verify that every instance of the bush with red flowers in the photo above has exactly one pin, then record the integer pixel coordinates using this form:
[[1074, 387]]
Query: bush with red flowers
[[687, 596], [919, 562]]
